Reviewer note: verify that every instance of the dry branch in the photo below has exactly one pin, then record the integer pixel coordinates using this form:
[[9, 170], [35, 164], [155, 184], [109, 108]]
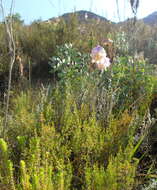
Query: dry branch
[[11, 45]]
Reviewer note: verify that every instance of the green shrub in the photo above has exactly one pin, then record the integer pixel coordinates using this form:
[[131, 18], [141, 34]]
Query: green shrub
[[79, 133]]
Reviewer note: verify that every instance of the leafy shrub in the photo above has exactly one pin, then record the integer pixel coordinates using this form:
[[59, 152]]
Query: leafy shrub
[[79, 133], [69, 62]]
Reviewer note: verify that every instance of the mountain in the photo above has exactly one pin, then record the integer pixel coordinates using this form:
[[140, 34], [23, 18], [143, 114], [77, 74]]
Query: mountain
[[151, 19], [86, 16], [83, 16]]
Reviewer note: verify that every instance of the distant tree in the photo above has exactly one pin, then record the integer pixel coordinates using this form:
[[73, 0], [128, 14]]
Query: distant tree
[[16, 18]]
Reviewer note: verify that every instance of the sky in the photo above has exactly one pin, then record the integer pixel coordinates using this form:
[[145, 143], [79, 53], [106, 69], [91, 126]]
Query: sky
[[31, 10]]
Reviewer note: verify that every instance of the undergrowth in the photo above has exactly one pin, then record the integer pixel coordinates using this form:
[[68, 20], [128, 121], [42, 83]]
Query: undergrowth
[[79, 132]]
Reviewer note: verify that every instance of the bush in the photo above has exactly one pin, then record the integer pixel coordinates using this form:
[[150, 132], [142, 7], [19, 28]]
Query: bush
[[79, 133]]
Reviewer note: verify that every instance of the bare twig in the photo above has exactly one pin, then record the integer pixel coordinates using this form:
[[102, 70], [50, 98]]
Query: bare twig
[[11, 44]]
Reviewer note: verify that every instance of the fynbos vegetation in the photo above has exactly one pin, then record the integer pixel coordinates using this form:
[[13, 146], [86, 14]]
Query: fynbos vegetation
[[82, 106]]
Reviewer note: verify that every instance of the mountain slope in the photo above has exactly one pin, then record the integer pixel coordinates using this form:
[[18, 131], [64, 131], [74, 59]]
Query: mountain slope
[[151, 19], [86, 16], [83, 16]]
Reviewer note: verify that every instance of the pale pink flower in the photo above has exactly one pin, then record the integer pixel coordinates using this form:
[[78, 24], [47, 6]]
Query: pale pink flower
[[99, 57]]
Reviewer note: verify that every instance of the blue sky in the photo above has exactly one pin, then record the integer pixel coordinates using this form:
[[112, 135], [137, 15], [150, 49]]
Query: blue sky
[[31, 10]]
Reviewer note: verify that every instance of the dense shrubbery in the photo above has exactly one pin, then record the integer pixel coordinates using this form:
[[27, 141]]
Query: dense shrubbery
[[81, 131], [87, 129], [37, 42]]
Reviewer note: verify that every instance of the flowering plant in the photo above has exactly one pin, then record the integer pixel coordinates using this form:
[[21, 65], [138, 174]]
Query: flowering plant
[[69, 62], [99, 58]]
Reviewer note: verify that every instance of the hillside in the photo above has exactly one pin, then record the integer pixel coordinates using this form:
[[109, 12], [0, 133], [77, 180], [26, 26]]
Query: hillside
[[83, 16], [86, 16], [78, 104], [151, 19]]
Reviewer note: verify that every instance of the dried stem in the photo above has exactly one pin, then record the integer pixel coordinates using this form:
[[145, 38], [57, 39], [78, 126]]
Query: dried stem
[[11, 44]]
